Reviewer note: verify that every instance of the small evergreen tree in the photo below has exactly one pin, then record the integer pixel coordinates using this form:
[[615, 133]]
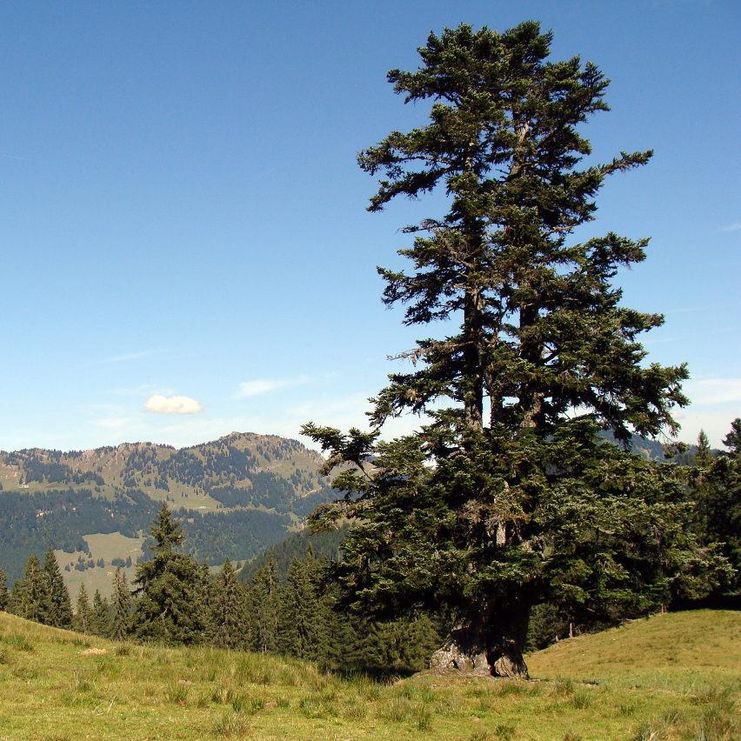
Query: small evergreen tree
[[100, 619], [83, 617], [716, 490], [30, 597], [60, 606], [302, 622], [121, 608], [229, 610], [264, 607], [4, 594], [171, 605]]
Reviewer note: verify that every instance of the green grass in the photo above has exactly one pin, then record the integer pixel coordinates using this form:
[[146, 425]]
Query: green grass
[[669, 677]]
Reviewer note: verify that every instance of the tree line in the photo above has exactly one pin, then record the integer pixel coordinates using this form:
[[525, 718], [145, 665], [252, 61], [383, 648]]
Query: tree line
[[296, 608], [177, 601]]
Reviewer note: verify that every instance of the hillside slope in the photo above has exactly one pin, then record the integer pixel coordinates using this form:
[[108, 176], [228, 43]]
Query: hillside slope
[[237, 495], [60, 685]]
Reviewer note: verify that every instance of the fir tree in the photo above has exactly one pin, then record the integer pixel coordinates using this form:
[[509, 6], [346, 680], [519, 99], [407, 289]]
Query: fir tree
[[60, 606], [264, 607], [171, 605], [703, 454], [523, 504], [228, 611], [83, 617], [302, 622], [716, 490], [30, 597], [100, 618], [121, 608], [4, 595]]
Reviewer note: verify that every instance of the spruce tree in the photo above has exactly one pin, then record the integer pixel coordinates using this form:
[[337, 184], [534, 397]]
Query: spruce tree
[[507, 499], [4, 595], [121, 607], [229, 610], [83, 617], [302, 622], [100, 618], [60, 606], [716, 490], [170, 608], [30, 597], [264, 607]]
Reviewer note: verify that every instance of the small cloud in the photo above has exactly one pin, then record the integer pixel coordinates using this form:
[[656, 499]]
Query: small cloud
[[172, 404], [710, 391], [735, 227], [127, 357], [260, 386]]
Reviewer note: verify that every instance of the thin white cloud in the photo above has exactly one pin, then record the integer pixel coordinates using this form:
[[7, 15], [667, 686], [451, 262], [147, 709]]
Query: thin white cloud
[[161, 404], [260, 386], [735, 227], [127, 357], [711, 391], [114, 423]]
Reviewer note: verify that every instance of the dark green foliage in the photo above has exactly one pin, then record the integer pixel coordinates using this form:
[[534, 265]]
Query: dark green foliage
[[509, 497], [171, 605], [304, 619], [122, 605], [83, 618], [4, 596], [324, 545], [264, 607], [100, 617], [216, 536], [398, 647], [60, 607], [716, 490], [229, 613], [30, 597], [68, 515]]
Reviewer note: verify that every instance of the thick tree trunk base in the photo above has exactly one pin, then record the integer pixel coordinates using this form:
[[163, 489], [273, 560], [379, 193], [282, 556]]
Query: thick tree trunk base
[[452, 656], [502, 662], [510, 665]]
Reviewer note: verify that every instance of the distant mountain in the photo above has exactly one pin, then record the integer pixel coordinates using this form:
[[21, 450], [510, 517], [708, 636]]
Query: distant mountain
[[236, 496]]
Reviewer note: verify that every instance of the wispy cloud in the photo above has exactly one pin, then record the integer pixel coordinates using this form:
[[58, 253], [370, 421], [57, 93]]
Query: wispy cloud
[[114, 423], [711, 391], [161, 404], [127, 357], [260, 386], [734, 227]]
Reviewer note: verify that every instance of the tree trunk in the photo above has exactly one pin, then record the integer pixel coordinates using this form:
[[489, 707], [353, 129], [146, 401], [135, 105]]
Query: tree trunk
[[493, 648], [473, 401]]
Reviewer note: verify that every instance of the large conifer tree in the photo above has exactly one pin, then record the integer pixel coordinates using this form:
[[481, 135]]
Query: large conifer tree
[[30, 597], [506, 499], [171, 605], [121, 607], [83, 618], [229, 619], [60, 606]]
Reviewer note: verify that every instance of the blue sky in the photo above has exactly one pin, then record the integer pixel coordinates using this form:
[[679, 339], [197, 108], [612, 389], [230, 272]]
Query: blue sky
[[184, 246]]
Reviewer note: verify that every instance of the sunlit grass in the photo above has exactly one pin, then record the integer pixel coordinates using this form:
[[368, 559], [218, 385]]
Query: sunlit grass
[[670, 677]]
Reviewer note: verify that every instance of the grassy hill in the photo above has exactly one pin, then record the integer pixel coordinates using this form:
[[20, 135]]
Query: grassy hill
[[669, 677]]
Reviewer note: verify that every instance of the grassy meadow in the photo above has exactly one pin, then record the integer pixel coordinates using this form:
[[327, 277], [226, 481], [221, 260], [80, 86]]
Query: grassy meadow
[[673, 676]]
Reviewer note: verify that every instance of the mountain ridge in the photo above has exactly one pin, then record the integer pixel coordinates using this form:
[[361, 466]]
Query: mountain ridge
[[235, 495]]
